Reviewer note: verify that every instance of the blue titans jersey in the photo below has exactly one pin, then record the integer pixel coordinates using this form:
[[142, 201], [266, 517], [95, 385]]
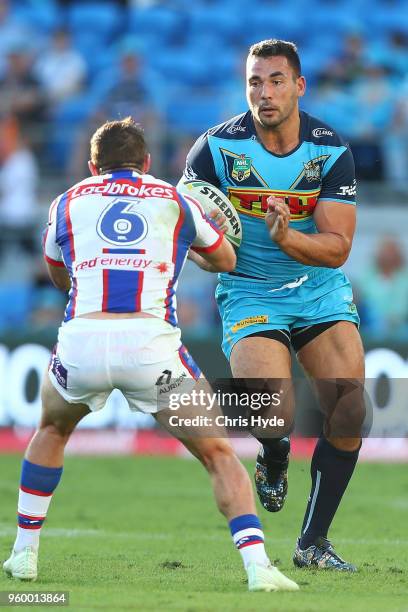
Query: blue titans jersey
[[231, 157]]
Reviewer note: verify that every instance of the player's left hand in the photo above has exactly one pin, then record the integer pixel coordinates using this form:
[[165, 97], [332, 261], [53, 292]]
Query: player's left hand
[[277, 218], [219, 219]]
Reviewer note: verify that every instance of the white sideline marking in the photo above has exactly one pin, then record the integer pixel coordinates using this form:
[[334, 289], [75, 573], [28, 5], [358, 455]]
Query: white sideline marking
[[91, 533]]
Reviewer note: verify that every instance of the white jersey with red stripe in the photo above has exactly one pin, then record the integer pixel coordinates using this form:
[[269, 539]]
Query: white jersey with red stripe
[[124, 238]]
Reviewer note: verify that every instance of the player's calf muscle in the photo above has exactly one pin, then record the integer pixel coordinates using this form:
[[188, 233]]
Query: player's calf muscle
[[210, 451]]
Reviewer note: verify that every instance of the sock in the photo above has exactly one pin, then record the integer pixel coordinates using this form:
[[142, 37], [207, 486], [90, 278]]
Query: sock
[[248, 537], [331, 470], [36, 488], [275, 452]]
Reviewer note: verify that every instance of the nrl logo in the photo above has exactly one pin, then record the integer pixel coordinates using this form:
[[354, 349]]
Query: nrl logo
[[312, 170], [241, 168]]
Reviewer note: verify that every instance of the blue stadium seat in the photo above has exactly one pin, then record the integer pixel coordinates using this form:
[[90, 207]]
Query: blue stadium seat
[[335, 107], [333, 18], [67, 120], [92, 49], [103, 19], [388, 16], [216, 63], [75, 109], [271, 22], [193, 113], [166, 24], [183, 67], [15, 300], [216, 19], [43, 15]]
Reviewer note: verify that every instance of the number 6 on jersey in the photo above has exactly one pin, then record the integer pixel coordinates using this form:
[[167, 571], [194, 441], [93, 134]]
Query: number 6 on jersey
[[120, 224]]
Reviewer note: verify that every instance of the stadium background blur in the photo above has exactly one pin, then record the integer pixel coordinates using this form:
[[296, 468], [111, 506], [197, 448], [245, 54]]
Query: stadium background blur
[[178, 68]]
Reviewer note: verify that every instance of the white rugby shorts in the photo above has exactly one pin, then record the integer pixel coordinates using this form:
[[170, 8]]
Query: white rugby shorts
[[142, 357]]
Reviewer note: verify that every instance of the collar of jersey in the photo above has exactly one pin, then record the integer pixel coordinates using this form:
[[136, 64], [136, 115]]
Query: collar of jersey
[[302, 116], [124, 173]]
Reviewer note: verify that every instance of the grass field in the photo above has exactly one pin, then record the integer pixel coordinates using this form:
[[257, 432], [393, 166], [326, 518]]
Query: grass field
[[143, 534]]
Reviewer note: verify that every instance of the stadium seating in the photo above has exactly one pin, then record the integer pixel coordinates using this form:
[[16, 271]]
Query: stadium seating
[[166, 24], [191, 66], [101, 18], [42, 15], [193, 114], [19, 295]]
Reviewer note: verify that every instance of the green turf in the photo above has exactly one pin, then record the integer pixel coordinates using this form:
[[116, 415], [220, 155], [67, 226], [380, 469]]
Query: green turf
[[143, 534]]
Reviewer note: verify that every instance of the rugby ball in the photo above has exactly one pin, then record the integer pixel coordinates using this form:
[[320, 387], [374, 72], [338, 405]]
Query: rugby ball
[[212, 198]]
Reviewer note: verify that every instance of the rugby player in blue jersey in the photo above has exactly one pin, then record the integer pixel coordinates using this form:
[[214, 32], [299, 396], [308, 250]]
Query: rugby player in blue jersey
[[291, 179]]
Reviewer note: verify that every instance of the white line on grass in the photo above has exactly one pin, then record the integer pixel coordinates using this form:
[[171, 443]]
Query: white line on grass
[[92, 533]]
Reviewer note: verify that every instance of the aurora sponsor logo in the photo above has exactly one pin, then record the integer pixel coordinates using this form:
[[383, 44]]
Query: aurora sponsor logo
[[166, 383]]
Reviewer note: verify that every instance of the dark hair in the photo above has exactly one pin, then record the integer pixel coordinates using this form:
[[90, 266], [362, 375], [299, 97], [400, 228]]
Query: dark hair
[[118, 144], [274, 47]]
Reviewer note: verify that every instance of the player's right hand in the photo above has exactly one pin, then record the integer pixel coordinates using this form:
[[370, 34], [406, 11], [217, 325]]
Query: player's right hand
[[277, 218]]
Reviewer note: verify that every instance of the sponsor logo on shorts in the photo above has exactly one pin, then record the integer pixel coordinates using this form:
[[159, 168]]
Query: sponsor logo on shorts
[[164, 378], [60, 373], [319, 132], [255, 320], [166, 384], [352, 308]]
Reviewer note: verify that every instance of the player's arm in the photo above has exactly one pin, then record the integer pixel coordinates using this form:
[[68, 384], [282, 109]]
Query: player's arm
[[52, 253], [334, 215], [59, 276], [220, 221], [222, 259], [210, 250], [329, 248]]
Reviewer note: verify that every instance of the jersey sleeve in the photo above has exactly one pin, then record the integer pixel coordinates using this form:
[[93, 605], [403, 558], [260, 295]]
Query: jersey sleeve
[[208, 236], [339, 184], [51, 250], [200, 163]]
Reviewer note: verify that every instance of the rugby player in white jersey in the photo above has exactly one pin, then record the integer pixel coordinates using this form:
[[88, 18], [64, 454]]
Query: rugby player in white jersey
[[117, 242]]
